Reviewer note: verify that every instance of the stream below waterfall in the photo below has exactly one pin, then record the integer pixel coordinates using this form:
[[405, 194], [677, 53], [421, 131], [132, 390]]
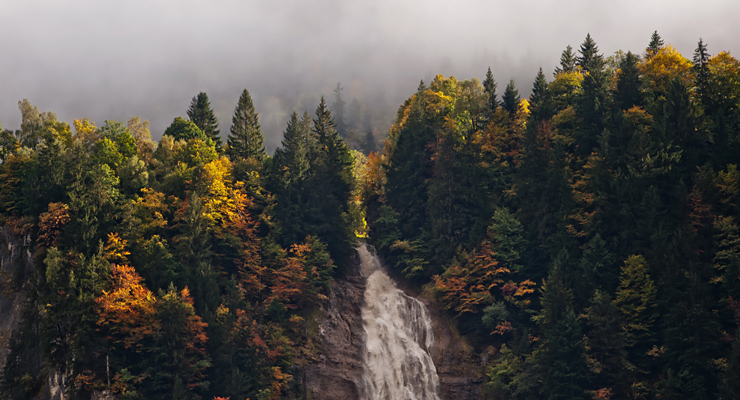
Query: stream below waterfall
[[398, 328]]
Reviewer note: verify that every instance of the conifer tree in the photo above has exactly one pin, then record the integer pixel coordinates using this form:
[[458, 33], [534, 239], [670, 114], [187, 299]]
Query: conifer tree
[[541, 107], [201, 114], [656, 43], [568, 61], [489, 85], [246, 140], [510, 100], [628, 93], [701, 72], [589, 54]]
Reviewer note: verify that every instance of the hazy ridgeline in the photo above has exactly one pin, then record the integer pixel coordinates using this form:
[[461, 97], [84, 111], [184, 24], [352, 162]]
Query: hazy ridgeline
[[584, 238]]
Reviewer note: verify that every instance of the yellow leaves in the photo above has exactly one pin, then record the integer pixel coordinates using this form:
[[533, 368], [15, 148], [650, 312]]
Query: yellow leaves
[[85, 130], [664, 66], [115, 249], [724, 79], [437, 102]]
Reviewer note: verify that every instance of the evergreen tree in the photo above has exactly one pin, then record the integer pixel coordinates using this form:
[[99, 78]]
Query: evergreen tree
[[338, 109], [331, 187], [628, 93], [540, 101], [489, 85], [656, 43], [636, 301], [510, 100], [701, 72], [369, 143], [568, 61], [201, 114], [246, 140], [590, 56]]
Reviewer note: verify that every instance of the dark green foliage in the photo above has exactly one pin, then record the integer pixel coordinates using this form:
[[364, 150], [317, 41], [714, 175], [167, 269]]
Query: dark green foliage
[[489, 84], [245, 140], [201, 114], [589, 57], [510, 99], [568, 61], [628, 93], [656, 43], [540, 101]]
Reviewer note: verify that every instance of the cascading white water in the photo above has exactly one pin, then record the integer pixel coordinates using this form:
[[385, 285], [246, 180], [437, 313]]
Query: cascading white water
[[397, 365]]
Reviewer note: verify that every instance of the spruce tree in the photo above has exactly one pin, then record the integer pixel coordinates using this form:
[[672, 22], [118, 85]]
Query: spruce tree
[[489, 85], [589, 54], [628, 93], [656, 43], [701, 71], [510, 100], [540, 101], [245, 140], [201, 114], [568, 61]]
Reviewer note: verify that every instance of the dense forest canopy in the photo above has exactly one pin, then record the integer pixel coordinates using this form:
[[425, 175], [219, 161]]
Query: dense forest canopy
[[586, 238]]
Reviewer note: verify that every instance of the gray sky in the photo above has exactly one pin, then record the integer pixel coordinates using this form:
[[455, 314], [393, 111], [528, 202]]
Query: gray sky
[[109, 59]]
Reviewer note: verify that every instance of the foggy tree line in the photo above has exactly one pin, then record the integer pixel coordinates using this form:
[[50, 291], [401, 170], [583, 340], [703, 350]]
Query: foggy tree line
[[585, 238], [181, 269]]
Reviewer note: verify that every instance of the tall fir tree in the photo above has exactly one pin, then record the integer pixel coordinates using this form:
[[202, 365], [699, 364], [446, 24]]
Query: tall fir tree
[[628, 93], [656, 43], [202, 115], [489, 85], [589, 53], [245, 140], [510, 99], [568, 61], [701, 72], [540, 101]]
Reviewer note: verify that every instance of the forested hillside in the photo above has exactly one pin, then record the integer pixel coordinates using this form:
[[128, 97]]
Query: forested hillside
[[586, 238]]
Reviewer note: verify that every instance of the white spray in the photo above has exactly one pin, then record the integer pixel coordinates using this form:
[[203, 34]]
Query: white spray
[[397, 365]]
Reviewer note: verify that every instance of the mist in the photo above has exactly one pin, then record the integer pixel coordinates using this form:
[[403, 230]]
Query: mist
[[113, 60]]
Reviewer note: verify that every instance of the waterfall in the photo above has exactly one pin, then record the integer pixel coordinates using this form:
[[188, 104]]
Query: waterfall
[[396, 363]]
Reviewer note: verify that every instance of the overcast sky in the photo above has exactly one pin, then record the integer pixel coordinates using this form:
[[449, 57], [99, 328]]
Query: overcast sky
[[107, 59]]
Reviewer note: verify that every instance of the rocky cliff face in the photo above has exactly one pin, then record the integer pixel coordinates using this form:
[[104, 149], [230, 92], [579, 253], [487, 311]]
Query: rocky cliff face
[[338, 373], [16, 268]]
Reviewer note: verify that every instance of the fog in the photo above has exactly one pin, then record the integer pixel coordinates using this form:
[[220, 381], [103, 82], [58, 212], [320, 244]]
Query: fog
[[113, 60]]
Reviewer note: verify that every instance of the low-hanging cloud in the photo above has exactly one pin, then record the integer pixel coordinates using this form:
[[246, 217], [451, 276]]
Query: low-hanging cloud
[[113, 60]]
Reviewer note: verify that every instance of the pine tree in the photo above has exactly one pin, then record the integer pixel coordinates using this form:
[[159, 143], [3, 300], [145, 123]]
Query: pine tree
[[201, 114], [636, 300], [701, 71], [656, 43], [568, 61], [589, 55], [540, 101], [246, 140], [628, 93], [369, 143], [510, 100], [330, 188], [489, 85], [338, 111]]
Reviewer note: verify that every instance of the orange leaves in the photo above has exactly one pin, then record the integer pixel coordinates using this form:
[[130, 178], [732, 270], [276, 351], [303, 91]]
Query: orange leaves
[[468, 286], [51, 223], [128, 310]]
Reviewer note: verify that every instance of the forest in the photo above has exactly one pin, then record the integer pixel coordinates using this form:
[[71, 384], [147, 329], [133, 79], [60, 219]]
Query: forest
[[586, 237]]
